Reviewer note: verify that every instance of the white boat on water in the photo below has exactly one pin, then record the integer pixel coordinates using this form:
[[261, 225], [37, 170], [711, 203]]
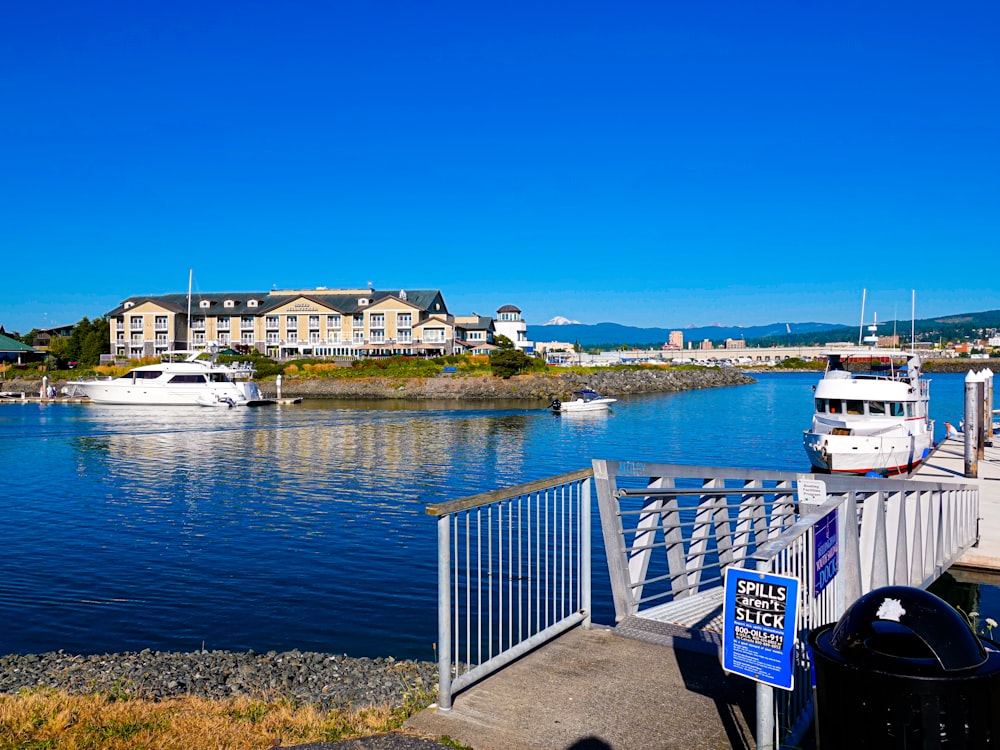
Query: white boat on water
[[582, 400], [871, 413], [181, 378]]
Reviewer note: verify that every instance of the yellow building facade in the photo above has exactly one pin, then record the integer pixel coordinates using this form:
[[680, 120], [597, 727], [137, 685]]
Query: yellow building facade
[[295, 323]]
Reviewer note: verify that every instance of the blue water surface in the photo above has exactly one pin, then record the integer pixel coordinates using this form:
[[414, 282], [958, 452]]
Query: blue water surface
[[304, 526]]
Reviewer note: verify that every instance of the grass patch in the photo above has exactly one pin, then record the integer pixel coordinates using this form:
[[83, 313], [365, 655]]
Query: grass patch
[[54, 720]]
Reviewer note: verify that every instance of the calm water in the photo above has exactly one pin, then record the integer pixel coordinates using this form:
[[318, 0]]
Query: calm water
[[304, 526]]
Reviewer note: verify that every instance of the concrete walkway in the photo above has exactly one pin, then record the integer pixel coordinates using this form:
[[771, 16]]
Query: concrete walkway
[[596, 690], [947, 463]]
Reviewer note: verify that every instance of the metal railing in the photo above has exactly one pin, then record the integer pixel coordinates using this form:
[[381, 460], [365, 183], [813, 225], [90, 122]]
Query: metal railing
[[671, 531], [513, 573]]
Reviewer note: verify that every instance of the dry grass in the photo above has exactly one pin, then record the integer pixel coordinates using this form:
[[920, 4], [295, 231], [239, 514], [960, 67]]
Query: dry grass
[[52, 720]]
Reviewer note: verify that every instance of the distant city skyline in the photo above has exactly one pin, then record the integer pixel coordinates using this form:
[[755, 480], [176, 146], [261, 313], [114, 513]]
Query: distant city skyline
[[654, 165]]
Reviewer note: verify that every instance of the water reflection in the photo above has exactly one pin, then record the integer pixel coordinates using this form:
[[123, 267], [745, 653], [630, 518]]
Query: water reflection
[[286, 527]]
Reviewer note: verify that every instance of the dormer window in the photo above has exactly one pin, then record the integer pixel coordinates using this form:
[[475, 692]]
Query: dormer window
[[204, 303], [129, 304], [363, 301], [229, 303], [252, 303]]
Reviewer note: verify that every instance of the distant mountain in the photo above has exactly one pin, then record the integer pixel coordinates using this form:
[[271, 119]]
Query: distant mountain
[[615, 334], [559, 320], [946, 327]]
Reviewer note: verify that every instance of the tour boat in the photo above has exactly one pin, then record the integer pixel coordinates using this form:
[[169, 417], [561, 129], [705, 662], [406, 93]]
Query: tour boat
[[583, 400], [871, 414], [181, 378]]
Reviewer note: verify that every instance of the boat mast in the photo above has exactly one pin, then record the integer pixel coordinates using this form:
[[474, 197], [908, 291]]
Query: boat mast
[[190, 345], [861, 328]]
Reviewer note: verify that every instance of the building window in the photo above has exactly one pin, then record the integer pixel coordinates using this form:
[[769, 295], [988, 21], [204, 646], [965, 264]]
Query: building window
[[404, 320], [160, 322], [204, 303], [272, 337], [224, 339], [223, 323], [292, 322], [135, 324], [404, 337], [271, 321], [199, 339], [247, 337], [313, 322], [198, 323], [333, 321], [229, 303], [359, 321], [377, 320], [359, 337]]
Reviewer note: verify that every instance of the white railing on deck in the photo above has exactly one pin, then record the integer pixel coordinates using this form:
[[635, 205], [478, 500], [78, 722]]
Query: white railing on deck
[[513, 573], [670, 531]]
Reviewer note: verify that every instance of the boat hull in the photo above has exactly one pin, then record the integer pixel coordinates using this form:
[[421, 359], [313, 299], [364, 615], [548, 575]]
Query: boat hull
[[126, 394], [860, 454]]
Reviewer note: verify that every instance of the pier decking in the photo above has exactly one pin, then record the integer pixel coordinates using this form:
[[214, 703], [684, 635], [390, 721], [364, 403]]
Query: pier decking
[[948, 463], [596, 690]]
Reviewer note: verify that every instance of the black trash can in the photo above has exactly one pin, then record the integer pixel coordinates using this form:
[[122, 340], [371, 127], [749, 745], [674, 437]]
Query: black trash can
[[903, 669]]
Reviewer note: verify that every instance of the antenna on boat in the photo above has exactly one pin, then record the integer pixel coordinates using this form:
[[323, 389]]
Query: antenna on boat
[[861, 328], [190, 279]]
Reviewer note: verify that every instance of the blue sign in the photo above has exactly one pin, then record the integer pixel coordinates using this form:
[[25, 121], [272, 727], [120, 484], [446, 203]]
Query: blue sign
[[825, 560], [758, 638]]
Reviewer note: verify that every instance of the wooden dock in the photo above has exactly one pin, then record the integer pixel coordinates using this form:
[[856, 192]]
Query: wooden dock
[[948, 463]]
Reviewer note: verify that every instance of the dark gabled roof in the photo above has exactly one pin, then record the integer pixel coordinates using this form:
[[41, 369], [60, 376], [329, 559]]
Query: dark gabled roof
[[343, 301], [7, 344], [482, 323], [178, 303]]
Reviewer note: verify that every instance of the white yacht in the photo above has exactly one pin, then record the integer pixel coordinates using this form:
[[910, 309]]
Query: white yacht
[[181, 378], [871, 414]]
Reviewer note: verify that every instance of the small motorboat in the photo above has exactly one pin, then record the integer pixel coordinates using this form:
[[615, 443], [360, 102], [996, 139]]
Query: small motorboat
[[582, 400]]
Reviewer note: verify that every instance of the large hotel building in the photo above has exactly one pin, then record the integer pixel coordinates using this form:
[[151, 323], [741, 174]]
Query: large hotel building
[[317, 322]]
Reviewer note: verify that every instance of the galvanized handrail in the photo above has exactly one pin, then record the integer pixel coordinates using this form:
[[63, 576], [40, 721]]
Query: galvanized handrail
[[897, 532], [513, 573]]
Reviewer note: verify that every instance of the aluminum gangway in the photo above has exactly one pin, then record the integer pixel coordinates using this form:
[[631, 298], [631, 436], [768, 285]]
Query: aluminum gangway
[[514, 568]]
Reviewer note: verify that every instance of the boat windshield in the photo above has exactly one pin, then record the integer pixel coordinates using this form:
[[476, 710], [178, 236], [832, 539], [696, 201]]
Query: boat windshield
[[134, 375]]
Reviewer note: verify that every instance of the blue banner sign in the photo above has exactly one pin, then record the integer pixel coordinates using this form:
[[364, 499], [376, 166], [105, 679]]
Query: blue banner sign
[[758, 639], [826, 559]]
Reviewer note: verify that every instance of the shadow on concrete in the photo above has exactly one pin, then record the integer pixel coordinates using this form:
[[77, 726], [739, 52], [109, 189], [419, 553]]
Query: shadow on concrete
[[735, 697]]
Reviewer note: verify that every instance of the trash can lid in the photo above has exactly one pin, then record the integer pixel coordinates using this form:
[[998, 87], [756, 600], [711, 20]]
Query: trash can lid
[[882, 620]]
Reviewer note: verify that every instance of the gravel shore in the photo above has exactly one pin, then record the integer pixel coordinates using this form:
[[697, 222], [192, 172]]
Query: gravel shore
[[326, 681]]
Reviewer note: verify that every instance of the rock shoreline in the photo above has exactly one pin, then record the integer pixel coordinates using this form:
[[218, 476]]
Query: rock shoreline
[[325, 681], [522, 387]]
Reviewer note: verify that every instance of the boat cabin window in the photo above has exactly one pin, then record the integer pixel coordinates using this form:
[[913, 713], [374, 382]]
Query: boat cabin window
[[820, 405], [142, 375], [895, 409], [195, 378], [876, 408], [855, 407], [219, 377]]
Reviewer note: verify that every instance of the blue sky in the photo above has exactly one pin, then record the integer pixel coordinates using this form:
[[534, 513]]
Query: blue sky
[[654, 164]]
